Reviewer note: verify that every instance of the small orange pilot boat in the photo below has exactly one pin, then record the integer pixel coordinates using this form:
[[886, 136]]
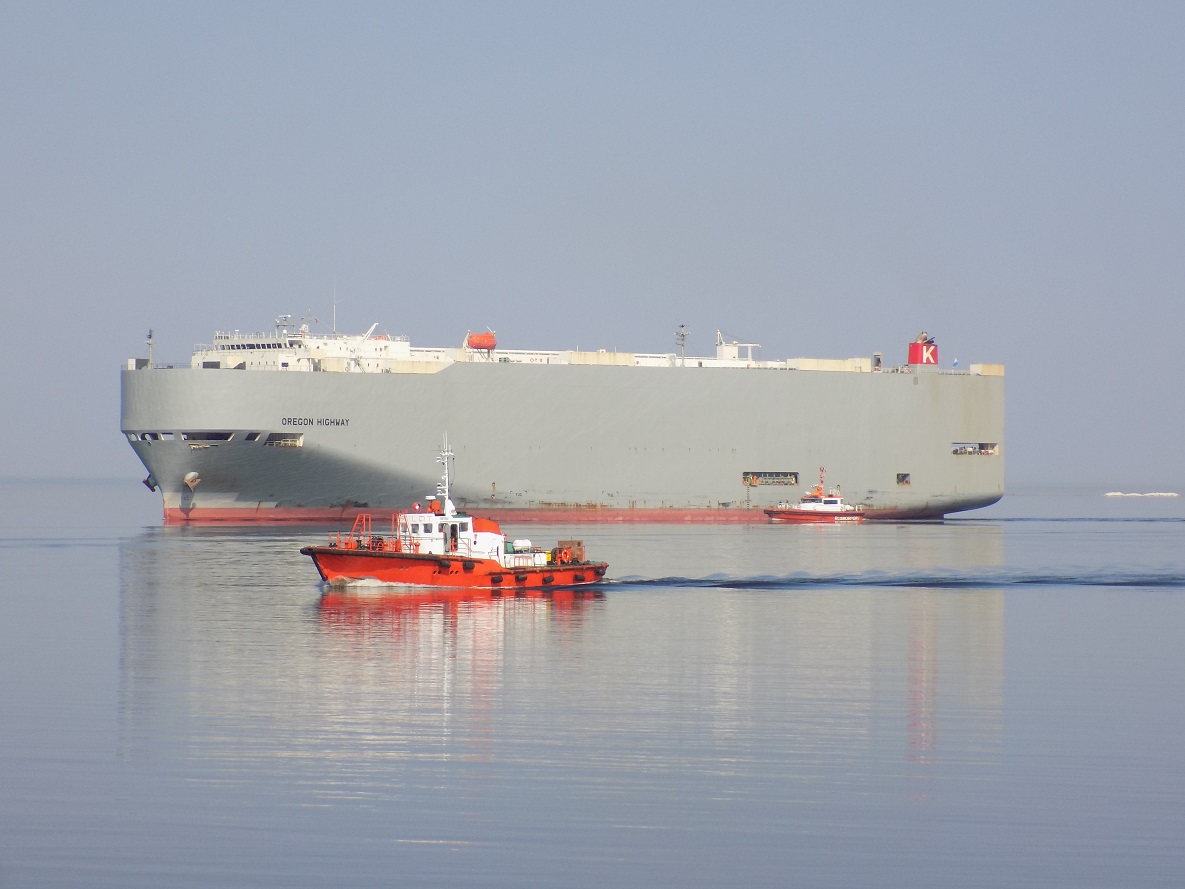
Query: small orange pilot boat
[[441, 547], [815, 506]]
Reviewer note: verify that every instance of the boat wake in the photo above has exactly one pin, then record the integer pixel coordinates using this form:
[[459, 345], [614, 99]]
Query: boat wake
[[1149, 494], [1171, 579]]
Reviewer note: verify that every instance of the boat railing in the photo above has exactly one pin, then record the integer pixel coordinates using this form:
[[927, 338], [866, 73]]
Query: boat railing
[[464, 549], [363, 537]]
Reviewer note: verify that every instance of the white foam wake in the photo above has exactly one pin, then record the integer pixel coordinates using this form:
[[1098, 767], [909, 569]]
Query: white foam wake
[[1149, 494]]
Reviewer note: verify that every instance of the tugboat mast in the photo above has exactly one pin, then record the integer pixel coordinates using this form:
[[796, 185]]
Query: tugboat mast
[[442, 487]]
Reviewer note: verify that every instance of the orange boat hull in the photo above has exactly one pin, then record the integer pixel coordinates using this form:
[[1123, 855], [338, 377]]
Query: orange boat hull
[[339, 565]]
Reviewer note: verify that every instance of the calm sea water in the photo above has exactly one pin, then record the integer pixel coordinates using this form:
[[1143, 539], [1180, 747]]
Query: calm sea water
[[998, 700]]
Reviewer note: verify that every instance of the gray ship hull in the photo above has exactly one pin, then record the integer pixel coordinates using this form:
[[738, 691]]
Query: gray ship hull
[[575, 442]]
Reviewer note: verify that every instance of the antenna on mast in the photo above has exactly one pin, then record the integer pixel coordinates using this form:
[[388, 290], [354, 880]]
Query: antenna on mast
[[150, 338], [442, 486], [681, 341]]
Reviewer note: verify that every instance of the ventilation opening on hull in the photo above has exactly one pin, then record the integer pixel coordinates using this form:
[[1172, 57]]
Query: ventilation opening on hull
[[252, 436], [962, 448], [151, 436], [754, 478], [903, 479], [284, 440], [207, 436]]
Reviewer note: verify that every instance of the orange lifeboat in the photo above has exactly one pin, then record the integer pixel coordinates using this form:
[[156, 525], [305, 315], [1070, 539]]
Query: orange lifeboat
[[485, 342]]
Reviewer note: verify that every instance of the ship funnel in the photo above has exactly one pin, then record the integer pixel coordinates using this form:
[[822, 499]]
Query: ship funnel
[[923, 350]]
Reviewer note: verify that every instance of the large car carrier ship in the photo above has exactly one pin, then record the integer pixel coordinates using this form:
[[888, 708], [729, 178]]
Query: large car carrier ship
[[290, 425]]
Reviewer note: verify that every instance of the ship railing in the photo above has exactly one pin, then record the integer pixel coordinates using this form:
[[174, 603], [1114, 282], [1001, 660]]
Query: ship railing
[[941, 371], [142, 364]]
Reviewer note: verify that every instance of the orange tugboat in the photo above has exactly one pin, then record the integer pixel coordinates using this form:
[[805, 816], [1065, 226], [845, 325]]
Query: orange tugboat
[[815, 506], [440, 547]]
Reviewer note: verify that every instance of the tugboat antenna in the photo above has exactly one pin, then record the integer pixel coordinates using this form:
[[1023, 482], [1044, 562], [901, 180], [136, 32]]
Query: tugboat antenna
[[442, 488]]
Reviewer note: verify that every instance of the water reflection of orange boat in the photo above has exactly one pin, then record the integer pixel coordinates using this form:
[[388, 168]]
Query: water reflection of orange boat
[[352, 600], [443, 548], [352, 611], [817, 506]]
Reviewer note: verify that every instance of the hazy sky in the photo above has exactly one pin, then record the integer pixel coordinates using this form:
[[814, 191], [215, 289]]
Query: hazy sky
[[824, 179]]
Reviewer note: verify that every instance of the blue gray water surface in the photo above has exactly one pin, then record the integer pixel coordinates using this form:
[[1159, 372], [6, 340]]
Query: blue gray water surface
[[992, 701]]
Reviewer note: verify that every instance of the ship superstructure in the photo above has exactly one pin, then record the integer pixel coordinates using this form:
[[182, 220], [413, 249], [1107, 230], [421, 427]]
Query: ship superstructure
[[290, 425]]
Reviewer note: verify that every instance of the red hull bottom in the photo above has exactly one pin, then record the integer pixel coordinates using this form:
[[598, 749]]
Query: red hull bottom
[[341, 515], [657, 516], [794, 518], [340, 565]]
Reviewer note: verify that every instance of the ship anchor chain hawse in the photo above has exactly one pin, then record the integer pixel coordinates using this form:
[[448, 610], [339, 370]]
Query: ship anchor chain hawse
[[291, 425], [442, 548]]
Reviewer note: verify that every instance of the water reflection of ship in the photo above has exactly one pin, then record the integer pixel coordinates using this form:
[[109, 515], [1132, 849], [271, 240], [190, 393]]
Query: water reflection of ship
[[448, 650], [227, 644], [358, 612], [218, 628], [955, 665]]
